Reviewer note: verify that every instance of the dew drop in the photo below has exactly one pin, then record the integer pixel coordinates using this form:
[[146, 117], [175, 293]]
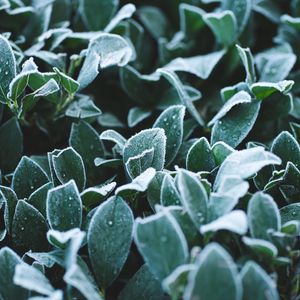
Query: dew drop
[[6, 73], [110, 223]]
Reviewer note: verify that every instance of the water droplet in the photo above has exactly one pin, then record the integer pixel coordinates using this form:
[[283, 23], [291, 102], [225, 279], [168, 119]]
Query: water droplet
[[6, 63], [165, 119], [173, 117], [163, 239], [31, 187], [110, 223], [294, 213], [6, 73], [70, 198]]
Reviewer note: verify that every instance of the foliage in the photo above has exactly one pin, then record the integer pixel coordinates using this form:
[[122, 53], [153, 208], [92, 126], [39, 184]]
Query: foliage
[[149, 150]]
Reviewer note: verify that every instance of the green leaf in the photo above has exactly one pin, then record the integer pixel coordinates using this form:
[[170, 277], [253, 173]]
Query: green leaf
[[125, 12], [223, 25], [256, 283], [29, 228], [68, 165], [113, 136], [11, 149], [92, 20], [28, 177], [230, 190], [109, 239], [11, 201], [79, 280], [171, 120], [154, 189], [136, 165], [241, 10], [84, 108], [193, 197], [137, 115], [64, 208], [261, 247], [8, 261], [200, 156], [139, 184], [159, 236], [263, 90], [144, 140], [221, 150], [239, 98], [85, 140], [32, 279], [235, 221], [245, 163], [104, 51], [236, 124], [200, 65], [7, 68], [169, 194], [290, 212], [142, 285], [263, 215], [248, 62], [94, 195], [191, 19], [214, 268], [69, 84], [287, 148]]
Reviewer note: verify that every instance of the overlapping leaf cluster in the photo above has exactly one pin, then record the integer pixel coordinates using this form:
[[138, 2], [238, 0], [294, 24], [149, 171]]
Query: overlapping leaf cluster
[[149, 150]]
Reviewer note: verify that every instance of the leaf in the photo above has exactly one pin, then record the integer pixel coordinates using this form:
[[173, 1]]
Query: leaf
[[11, 201], [93, 21], [68, 165], [29, 228], [200, 157], [144, 140], [11, 138], [139, 184], [241, 10], [64, 208], [136, 165], [262, 90], [32, 279], [236, 124], [287, 148], [137, 115], [84, 108], [142, 285], [290, 212], [230, 190], [239, 98], [245, 163], [154, 189], [169, 194], [263, 216], [191, 19], [113, 136], [28, 177], [171, 120], [200, 65], [104, 51], [223, 25], [248, 62], [79, 280], [261, 247], [221, 150], [8, 261], [94, 195], [7, 68], [109, 239], [159, 236], [214, 268], [235, 221], [69, 84], [193, 197], [256, 283], [85, 140], [125, 12], [175, 283]]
